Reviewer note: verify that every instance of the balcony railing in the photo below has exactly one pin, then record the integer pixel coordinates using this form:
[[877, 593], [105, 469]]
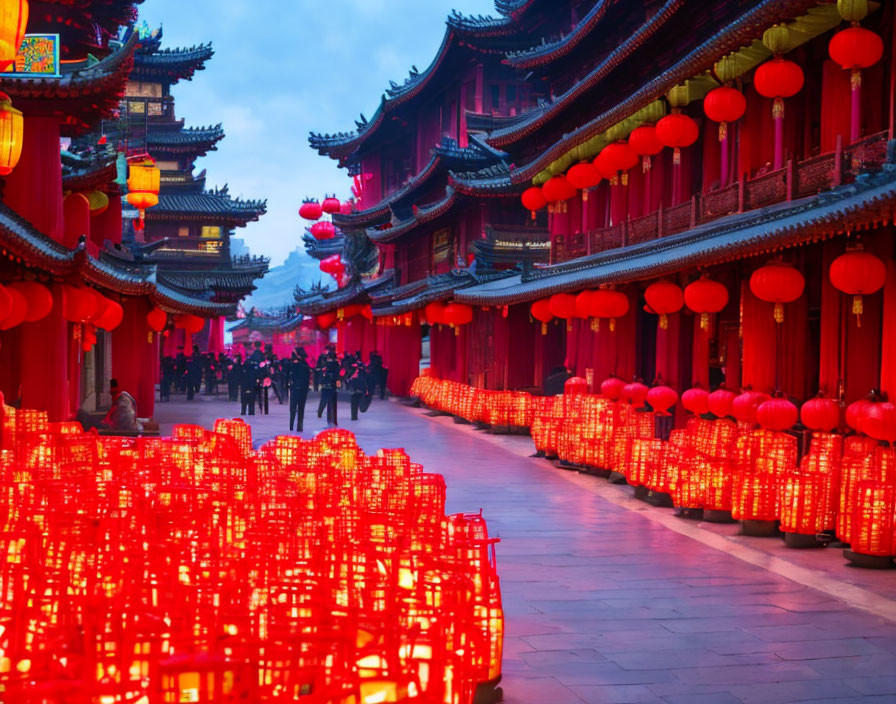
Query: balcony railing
[[805, 178]]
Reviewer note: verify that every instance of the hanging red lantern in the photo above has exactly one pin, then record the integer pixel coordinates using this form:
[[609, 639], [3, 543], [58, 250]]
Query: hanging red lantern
[[435, 313], [614, 159], [856, 48], [777, 414], [191, 324], [575, 386], [644, 142], [144, 182], [111, 317], [331, 205], [367, 312], [635, 393], [12, 126], [326, 320], [661, 399], [705, 296], [745, 406], [78, 304], [779, 283], [533, 199], [323, 230], [14, 16], [612, 387], [820, 414], [345, 208], [456, 314], [563, 306], [778, 79], [720, 402], [541, 311], [858, 273], [583, 176], [311, 210], [855, 413], [609, 303], [696, 401], [879, 421], [677, 131], [18, 310], [664, 298], [724, 105], [39, 298], [558, 189], [157, 319]]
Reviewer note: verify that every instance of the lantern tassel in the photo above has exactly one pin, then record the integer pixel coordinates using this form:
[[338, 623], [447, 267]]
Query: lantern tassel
[[676, 156], [544, 328], [595, 325], [664, 321], [645, 164], [855, 79], [858, 308], [723, 131], [568, 326], [779, 313], [778, 109], [704, 321], [612, 324], [625, 178]]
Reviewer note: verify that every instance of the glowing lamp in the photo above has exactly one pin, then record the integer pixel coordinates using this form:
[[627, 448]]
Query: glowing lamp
[[157, 319], [563, 306], [311, 210], [583, 176], [856, 48], [144, 181], [778, 283], [720, 402], [644, 142], [664, 298], [778, 79], [13, 22], [533, 200], [612, 388], [558, 189], [661, 399], [677, 131], [744, 407], [11, 135], [777, 414], [39, 298], [331, 205], [705, 296], [541, 311], [696, 401], [111, 317], [724, 105], [635, 393], [18, 310], [614, 159], [435, 313], [820, 414]]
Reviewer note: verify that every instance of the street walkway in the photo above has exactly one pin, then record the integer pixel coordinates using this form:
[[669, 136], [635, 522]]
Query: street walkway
[[609, 600]]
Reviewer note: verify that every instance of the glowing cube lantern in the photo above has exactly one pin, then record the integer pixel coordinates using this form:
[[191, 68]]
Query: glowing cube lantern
[[872, 518]]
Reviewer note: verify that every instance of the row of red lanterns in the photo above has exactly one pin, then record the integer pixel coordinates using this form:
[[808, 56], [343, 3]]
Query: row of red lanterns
[[327, 320], [312, 209], [853, 49], [452, 314]]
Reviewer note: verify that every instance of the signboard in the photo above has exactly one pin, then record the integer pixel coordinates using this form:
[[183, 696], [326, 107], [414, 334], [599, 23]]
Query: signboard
[[38, 57], [441, 246]]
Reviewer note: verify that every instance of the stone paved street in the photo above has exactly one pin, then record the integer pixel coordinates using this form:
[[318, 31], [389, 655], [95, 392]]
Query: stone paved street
[[609, 600]]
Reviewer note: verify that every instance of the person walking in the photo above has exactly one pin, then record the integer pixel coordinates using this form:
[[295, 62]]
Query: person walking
[[167, 378], [359, 385], [331, 380], [248, 388], [298, 377], [194, 373]]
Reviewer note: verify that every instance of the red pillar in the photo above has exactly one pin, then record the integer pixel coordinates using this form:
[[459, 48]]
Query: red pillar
[[107, 225], [46, 374], [76, 210], [135, 355], [39, 171]]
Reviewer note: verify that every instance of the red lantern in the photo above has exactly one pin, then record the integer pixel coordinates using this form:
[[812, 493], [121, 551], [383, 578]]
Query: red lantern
[[745, 406], [367, 312], [615, 158], [575, 386], [533, 199], [563, 305], [39, 298], [541, 311], [879, 421], [635, 393], [558, 189], [609, 303], [777, 414], [79, 305], [661, 399], [778, 283], [111, 317], [157, 319], [676, 131], [326, 320], [705, 296], [612, 388], [820, 414], [456, 314], [778, 78], [17, 312], [435, 313], [856, 48], [345, 208], [724, 105], [664, 298], [644, 142], [855, 413], [858, 273], [720, 402], [323, 230], [191, 324], [331, 205], [583, 176], [696, 401], [311, 210]]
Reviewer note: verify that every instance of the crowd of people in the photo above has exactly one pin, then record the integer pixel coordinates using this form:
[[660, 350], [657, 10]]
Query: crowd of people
[[250, 380]]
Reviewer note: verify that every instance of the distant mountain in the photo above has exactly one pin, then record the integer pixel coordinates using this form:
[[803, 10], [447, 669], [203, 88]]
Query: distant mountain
[[275, 290]]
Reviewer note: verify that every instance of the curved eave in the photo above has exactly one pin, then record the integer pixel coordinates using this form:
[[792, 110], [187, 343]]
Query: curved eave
[[172, 65], [538, 118], [486, 186], [381, 212], [102, 84], [96, 176], [726, 239], [541, 55], [193, 140], [738, 34], [421, 216]]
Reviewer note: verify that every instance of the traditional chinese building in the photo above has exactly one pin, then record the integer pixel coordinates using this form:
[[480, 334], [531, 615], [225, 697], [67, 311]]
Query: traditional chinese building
[[643, 187], [81, 303]]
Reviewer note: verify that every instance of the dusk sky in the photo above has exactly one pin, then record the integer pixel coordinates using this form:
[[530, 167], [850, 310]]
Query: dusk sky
[[285, 67]]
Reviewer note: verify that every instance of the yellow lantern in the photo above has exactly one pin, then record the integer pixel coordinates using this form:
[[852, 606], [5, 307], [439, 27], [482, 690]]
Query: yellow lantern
[[144, 181], [11, 129], [13, 20]]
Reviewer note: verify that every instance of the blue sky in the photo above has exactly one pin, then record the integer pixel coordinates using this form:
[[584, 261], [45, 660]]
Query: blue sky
[[285, 67]]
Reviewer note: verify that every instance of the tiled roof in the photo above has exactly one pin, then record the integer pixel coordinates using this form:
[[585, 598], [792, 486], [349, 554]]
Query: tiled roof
[[357, 291], [869, 202], [171, 64], [216, 203], [198, 140], [417, 294]]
